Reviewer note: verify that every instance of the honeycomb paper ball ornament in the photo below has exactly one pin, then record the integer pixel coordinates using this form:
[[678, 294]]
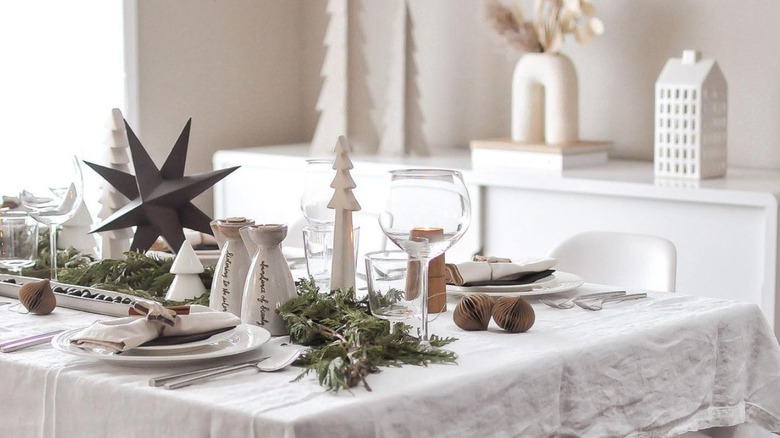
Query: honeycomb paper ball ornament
[[37, 297], [514, 314], [473, 312]]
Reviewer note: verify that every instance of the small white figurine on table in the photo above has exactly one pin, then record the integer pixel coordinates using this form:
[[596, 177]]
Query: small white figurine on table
[[344, 203], [187, 267]]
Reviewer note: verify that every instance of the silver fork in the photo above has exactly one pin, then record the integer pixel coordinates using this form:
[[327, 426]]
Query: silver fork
[[599, 303], [568, 304]]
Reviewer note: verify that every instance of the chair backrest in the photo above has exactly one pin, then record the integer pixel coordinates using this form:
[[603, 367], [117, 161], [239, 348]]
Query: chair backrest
[[620, 259]]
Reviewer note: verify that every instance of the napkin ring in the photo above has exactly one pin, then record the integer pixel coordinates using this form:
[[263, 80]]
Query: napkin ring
[[488, 259], [155, 312]]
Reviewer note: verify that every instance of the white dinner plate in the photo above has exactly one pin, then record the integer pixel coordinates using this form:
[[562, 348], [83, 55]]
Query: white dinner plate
[[246, 337], [189, 346], [561, 282]]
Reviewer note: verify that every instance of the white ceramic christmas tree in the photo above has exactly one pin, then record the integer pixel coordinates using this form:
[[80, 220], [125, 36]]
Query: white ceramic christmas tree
[[75, 232], [332, 101], [114, 243], [344, 203], [187, 267]]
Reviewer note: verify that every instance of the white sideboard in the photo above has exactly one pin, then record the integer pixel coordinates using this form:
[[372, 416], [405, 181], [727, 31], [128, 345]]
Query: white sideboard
[[725, 230]]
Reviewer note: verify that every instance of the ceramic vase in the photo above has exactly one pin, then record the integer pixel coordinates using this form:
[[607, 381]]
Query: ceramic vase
[[545, 100], [269, 283], [227, 288]]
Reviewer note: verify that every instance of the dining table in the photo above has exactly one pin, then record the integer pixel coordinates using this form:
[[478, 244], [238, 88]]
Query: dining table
[[654, 367]]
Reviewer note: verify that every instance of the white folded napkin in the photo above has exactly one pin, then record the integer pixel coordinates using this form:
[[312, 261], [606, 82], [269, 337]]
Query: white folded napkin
[[474, 272], [127, 333]]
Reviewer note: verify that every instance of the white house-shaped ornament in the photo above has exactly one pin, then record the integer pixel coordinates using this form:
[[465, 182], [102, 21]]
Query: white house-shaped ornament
[[691, 100]]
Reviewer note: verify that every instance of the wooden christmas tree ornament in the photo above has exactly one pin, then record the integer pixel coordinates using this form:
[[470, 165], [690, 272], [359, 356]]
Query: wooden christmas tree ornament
[[473, 312], [37, 297], [514, 314], [342, 272]]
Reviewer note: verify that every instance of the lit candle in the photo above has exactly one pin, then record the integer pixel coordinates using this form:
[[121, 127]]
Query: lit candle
[[437, 282]]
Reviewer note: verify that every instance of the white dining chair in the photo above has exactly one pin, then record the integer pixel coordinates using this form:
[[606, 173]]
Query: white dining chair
[[620, 259]]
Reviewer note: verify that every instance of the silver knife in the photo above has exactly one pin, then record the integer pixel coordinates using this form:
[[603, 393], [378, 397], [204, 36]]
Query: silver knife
[[30, 341]]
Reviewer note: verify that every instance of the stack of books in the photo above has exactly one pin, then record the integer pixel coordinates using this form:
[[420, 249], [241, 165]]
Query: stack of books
[[503, 153]]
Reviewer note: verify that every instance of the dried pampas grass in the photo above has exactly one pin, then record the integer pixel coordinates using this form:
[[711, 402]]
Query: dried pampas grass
[[509, 27], [554, 19]]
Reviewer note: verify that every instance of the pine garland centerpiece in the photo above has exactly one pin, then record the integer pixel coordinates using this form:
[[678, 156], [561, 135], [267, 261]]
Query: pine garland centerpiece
[[347, 343]]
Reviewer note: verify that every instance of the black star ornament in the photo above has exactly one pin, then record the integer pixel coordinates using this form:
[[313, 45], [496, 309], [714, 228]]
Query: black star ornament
[[160, 199]]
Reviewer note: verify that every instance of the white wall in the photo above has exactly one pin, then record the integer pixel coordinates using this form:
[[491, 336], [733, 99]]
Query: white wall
[[248, 72], [617, 73], [233, 66]]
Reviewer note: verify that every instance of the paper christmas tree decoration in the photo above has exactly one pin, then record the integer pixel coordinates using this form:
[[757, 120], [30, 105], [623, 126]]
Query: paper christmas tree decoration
[[75, 232], [342, 274], [187, 267], [416, 143], [159, 198], [114, 243], [393, 141], [332, 101], [402, 132]]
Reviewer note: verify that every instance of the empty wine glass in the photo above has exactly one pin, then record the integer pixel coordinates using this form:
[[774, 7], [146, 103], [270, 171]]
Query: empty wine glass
[[317, 193], [52, 199], [18, 241], [426, 212]]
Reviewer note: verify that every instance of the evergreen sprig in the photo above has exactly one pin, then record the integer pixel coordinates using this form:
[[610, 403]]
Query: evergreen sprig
[[347, 343]]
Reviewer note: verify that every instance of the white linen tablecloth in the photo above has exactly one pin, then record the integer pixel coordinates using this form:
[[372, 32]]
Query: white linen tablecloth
[[649, 368]]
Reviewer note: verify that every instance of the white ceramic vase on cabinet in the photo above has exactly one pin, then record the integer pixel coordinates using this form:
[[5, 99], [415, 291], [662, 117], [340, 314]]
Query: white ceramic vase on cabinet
[[545, 100]]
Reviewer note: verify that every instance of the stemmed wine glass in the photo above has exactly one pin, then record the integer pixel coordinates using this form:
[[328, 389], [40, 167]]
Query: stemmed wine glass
[[426, 212], [52, 200]]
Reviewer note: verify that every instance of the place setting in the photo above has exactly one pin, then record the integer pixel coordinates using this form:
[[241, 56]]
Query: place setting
[[140, 342], [506, 277]]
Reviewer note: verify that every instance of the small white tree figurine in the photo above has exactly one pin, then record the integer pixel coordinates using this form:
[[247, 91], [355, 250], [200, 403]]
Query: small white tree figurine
[[342, 274], [115, 243], [75, 232], [187, 284]]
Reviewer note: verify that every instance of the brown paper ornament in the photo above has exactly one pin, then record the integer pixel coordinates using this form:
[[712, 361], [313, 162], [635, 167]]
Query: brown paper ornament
[[473, 312], [37, 297], [514, 314]]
